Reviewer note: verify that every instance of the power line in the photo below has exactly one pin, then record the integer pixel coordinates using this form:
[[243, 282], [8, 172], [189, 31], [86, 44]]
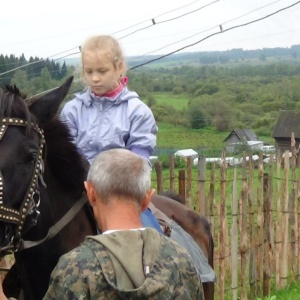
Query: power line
[[169, 20], [217, 26], [178, 8], [113, 33], [213, 34], [190, 45]]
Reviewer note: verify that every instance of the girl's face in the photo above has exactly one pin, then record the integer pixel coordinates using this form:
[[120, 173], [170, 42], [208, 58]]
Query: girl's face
[[99, 72]]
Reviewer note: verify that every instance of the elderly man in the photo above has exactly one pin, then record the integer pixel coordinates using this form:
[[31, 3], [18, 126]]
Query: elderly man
[[127, 261]]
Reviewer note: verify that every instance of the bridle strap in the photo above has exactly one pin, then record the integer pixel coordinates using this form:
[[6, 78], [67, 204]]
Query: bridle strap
[[18, 216], [57, 227]]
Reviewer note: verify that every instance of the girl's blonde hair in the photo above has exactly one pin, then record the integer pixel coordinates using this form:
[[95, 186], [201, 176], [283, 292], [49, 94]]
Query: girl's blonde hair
[[105, 43]]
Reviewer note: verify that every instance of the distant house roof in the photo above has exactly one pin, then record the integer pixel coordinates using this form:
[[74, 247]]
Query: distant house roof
[[243, 135], [287, 122]]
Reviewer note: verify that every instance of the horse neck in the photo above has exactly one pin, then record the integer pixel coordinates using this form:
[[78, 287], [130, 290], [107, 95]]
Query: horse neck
[[36, 264]]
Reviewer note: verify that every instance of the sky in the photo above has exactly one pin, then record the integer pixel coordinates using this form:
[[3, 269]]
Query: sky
[[55, 29]]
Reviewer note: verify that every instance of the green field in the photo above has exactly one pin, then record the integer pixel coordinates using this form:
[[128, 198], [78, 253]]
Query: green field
[[177, 101], [207, 141]]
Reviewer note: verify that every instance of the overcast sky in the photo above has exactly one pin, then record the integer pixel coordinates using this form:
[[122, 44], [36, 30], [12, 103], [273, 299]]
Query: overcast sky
[[56, 28]]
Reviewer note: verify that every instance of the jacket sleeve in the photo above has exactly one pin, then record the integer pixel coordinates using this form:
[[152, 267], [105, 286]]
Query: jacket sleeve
[[143, 130]]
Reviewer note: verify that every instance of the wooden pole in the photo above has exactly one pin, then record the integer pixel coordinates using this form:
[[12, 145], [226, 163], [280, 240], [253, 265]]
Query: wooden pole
[[222, 230], [181, 184], [244, 235], [172, 176], [212, 186], [201, 206], [266, 262], [252, 230], [160, 181], [188, 191], [234, 237], [285, 223]]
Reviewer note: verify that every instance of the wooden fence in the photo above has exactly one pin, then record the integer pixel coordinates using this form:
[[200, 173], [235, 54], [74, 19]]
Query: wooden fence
[[254, 212]]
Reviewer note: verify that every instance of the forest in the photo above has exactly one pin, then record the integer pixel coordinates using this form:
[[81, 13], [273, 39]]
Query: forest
[[199, 90]]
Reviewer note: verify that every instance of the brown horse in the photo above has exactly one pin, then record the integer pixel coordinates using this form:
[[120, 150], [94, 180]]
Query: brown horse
[[42, 211], [196, 225]]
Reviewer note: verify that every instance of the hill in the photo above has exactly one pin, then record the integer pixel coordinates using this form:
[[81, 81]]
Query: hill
[[209, 57]]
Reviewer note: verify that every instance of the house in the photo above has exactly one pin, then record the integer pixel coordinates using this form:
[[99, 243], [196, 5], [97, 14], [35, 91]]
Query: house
[[240, 137], [287, 122], [186, 153]]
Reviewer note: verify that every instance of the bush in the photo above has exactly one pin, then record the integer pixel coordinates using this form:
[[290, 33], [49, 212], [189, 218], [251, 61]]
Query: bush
[[178, 161]]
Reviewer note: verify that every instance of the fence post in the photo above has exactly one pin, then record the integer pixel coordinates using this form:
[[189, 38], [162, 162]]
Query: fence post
[[181, 185], [293, 209], [222, 229], [244, 237], [189, 183], [201, 206], [172, 176], [212, 198], [158, 170], [266, 264], [252, 231], [234, 237], [285, 223], [278, 240]]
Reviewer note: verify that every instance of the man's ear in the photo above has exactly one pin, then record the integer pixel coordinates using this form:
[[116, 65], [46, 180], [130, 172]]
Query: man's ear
[[91, 193], [147, 199]]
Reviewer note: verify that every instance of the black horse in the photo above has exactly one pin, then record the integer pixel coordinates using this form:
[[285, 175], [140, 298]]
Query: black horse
[[43, 208]]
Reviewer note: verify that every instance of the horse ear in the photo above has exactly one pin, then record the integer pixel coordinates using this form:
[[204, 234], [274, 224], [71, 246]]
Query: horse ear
[[45, 107]]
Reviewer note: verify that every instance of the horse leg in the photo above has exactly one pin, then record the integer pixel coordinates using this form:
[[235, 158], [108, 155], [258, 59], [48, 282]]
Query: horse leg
[[11, 283]]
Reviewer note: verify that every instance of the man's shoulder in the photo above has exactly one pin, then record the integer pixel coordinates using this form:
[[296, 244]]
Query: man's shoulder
[[82, 256]]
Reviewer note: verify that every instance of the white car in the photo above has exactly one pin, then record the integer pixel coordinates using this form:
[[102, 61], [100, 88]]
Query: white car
[[269, 149]]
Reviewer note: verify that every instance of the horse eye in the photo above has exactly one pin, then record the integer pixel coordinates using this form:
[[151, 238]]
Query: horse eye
[[30, 158]]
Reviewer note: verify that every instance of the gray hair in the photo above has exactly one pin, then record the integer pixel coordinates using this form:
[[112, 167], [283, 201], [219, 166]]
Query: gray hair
[[120, 173]]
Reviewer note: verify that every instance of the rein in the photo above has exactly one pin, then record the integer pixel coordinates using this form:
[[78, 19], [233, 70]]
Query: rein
[[31, 200]]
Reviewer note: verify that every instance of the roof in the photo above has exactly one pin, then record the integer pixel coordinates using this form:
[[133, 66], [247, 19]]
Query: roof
[[288, 121], [243, 134], [186, 152]]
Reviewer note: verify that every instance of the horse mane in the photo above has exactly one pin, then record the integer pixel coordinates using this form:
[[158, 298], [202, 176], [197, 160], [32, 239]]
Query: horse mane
[[63, 159], [12, 104]]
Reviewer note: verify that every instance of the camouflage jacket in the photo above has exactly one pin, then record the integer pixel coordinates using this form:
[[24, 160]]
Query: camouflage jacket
[[131, 264]]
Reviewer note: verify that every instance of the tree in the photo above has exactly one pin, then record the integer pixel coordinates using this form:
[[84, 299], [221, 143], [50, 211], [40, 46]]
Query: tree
[[198, 116]]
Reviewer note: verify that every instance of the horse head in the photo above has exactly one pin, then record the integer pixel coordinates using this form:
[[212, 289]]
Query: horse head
[[22, 153]]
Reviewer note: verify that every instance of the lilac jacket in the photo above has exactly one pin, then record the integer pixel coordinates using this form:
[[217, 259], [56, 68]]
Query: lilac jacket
[[101, 123]]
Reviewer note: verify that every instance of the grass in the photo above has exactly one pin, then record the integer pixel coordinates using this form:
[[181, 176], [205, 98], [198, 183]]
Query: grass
[[206, 141], [291, 292], [179, 102], [178, 137]]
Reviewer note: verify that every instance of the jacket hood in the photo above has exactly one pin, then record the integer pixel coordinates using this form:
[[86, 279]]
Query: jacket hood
[[132, 255], [87, 97]]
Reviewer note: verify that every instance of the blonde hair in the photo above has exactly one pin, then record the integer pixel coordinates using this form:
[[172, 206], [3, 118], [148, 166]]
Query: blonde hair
[[108, 44]]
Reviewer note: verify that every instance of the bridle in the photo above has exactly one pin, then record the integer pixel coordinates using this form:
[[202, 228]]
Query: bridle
[[31, 200]]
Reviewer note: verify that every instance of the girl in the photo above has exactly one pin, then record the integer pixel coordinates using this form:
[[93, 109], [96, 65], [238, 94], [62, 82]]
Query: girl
[[106, 114]]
